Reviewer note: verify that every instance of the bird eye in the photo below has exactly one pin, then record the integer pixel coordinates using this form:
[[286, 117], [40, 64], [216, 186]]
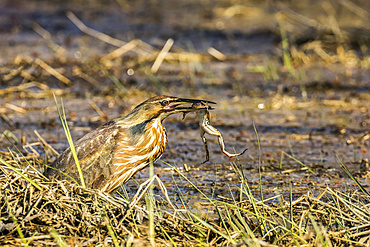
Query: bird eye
[[164, 102]]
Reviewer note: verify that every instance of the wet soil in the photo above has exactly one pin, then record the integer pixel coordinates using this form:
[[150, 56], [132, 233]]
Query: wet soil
[[317, 110]]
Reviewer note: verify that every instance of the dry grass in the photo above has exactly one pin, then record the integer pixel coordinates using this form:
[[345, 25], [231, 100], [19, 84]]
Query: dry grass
[[64, 213], [77, 216]]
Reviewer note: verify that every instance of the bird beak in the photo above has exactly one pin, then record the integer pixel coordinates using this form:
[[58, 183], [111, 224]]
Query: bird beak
[[178, 105]]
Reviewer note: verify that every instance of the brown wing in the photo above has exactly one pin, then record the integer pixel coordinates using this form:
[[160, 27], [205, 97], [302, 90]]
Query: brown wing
[[94, 152]]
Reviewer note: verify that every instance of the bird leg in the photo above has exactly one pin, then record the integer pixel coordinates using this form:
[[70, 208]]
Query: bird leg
[[205, 127], [146, 185]]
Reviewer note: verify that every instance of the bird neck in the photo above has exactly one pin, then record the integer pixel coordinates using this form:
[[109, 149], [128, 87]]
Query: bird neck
[[147, 130]]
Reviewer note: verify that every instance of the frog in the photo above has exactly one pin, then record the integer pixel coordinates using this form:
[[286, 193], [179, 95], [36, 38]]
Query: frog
[[204, 117]]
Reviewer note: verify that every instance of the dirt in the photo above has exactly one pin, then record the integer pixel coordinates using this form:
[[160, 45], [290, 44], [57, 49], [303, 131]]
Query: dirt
[[317, 110]]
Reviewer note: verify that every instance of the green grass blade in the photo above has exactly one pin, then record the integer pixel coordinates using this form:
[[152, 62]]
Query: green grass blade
[[63, 119], [299, 162], [353, 178], [151, 206], [15, 221], [65, 174], [167, 236], [209, 226], [188, 180], [111, 232], [20, 174], [260, 176], [58, 239]]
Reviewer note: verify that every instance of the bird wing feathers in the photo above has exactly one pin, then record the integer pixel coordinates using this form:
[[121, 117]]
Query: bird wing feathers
[[94, 152]]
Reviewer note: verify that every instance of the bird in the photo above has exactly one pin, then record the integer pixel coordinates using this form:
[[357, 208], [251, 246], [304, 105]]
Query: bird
[[114, 152]]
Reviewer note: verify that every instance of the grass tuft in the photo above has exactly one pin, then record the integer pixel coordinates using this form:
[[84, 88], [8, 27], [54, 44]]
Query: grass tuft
[[331, 218]]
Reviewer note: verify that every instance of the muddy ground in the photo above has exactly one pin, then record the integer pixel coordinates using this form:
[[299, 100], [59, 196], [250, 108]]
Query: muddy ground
[[310, 99]]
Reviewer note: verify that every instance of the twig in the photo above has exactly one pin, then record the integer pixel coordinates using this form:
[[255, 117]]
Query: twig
[[7, 120], [103, 37], [78, 72], [15, 108], [355, 9], [298, 17], [53, 72], [46, 144], [120, 51], [162, 54], [30, 146], [333, 23], [97, 109], [46, 35], [21, 87], [217, 54], [13, 73]]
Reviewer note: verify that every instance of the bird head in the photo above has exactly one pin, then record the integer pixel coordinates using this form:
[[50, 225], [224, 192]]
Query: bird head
[[163, 106]]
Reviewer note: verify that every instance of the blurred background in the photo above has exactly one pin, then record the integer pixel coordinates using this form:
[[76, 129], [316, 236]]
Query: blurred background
[[298, 70]]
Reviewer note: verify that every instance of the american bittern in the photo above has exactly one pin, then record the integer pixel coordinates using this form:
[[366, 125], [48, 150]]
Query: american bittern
[[204, 121], [110, 155]]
